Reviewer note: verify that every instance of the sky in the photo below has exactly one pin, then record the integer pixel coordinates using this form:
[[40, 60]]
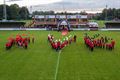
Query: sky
[[30, 2], [67, 5]]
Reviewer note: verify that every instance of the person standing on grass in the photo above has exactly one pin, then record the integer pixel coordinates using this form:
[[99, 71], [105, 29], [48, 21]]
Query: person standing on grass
[[28, 39], [58, 45], [33, 39], [95, 42], [8, 45], [52, 37], [49, 37], [25, 44], [91, 46], [62, 45], [75, 38], [70, 40], [53, 45], [113, 43], [106, 39], [110, 46], [103, 45]]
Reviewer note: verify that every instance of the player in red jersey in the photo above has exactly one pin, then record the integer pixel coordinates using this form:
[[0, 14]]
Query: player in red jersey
[[62, 45], [8, 45], [58, 45], [91, 45], [53, 45], [95, 42], [107, 46], [113, 43], [25, 45], [110, 46]]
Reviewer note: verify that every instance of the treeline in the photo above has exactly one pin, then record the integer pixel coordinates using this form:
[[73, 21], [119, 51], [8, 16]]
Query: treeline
[[108, 14], [14, 12]]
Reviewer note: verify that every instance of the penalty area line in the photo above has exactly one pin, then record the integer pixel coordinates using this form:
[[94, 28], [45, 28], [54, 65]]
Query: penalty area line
[[57, 66]]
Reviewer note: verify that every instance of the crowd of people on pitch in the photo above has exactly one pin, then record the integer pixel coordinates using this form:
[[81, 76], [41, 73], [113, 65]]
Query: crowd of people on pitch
[[102, 42], [18, 41], [60, 44]]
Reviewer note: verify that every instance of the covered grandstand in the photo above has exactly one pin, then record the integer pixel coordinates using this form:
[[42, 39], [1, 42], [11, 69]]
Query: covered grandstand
[[112, 24], [53, 21], [11, 24]]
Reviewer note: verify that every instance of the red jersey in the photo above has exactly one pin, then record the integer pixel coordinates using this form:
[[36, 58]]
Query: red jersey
[[8, 44], [100, 44], [103, 44], [26, 44], [91, 45], [56, 46], [110, 45], [62, 45], [107, 45], [113, 43], [58, 43], [53, 45], [23, 40]]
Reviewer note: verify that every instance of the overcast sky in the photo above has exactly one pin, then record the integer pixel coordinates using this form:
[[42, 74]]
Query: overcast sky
[[67, 5], [30, 2]]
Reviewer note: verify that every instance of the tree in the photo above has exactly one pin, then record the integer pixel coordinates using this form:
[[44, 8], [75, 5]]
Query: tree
[[43, 13], [14, 11], [1, 12], [24, 13], [83, 13], [118, 13], [110, 14]]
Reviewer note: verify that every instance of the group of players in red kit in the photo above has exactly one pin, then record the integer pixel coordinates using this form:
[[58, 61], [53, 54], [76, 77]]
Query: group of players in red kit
[[102, 42], [90, 42], [19, 41], [58, 44]]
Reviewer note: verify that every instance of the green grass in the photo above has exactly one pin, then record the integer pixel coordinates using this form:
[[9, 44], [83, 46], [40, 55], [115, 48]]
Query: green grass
[[39, 61]]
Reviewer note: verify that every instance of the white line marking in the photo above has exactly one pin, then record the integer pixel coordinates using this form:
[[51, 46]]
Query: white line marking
[[57, 67]]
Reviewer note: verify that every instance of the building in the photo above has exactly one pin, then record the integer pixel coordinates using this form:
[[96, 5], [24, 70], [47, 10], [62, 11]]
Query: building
[[11, 24], [112, 24], [56, 21]]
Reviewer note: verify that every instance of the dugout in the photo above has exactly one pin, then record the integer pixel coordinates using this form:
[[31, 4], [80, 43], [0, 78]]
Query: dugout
[[11, 24], [112, 24]]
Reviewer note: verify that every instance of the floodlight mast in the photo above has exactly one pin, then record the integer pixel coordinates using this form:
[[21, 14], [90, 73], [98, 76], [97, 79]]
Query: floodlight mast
[[4, 8], [4, 11], [106, 13]]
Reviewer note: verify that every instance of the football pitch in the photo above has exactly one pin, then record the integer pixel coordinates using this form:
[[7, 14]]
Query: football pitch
[[74, 62]]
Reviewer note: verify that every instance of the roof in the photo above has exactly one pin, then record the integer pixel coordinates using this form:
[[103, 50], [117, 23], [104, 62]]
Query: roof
[[64, 23], [61, 16], [93, 24], [112, 22], [11, 21]]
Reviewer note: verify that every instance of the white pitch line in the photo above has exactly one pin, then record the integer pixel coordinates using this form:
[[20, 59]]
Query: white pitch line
[[57, 66]]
